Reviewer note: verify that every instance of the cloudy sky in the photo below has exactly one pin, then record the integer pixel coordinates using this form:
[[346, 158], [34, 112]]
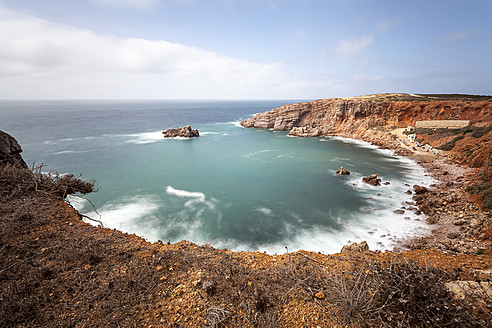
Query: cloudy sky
[[242, 49]]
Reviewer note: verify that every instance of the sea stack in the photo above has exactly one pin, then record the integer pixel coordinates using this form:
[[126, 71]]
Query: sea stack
[[342, 171], [183, 132], [372, 180]]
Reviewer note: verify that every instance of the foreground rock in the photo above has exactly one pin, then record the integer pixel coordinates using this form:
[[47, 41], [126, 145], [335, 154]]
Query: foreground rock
[[183, 132], [10, 151], [372, 180], [354, 247]]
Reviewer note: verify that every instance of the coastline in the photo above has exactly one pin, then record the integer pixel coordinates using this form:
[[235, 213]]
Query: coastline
[[458, 225], [58, 270], [452, 229]]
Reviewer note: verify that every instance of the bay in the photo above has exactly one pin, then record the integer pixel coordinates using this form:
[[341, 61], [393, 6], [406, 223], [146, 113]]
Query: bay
[[235, 188]]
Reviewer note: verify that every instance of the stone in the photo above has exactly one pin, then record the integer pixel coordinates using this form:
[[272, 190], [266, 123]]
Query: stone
[[10, 151], [342, 171], [355, 247], [453, 235], [399, 211], [419, 189], [303, 131], [431, 220], [372, 180], [466, 289], [183, 132], [459, 222], [209, 287]]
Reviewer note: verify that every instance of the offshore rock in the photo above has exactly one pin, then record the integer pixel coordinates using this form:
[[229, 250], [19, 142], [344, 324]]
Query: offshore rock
[[183, 132], [343, 171], [10, 151], [372, 180]]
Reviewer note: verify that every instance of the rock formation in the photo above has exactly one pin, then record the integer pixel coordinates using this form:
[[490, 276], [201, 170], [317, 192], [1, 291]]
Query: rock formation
[[10, 151], [354, 247], [370, 118], [343, 171], [183, 132], [372, 180]]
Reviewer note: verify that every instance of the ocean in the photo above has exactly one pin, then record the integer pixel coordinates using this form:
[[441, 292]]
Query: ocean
[[234, 188]]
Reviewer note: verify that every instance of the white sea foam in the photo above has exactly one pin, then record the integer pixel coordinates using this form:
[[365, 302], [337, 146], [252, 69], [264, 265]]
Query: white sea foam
[[184, 193], [70, 152], [237, 124], [125, 214], [145, 137], [264, 210]]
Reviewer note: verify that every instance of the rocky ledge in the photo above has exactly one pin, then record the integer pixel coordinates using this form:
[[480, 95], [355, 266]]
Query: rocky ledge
[[183, 132], [10, 151]]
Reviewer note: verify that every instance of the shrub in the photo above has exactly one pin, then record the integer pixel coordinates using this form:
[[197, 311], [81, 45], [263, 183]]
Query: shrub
[[450, 145], [15, 181]]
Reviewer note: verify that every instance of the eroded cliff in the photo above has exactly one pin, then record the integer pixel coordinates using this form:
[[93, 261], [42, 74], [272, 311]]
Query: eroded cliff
[[371, 118]]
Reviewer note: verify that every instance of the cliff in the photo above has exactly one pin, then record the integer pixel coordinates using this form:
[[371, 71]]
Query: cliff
[[10, 151], [372, 118]]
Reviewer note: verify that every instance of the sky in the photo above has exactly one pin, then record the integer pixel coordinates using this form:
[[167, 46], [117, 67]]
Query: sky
[[242, 49]]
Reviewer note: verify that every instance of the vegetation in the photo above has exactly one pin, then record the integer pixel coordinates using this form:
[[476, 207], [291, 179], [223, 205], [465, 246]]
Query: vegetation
[[450, 145], [484, 190], [16, 182]]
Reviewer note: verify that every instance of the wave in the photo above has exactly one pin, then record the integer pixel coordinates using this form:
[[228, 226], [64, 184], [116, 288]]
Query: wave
[[264, 210], [70, 152], [184, 193], [131, 215], [145, 137]]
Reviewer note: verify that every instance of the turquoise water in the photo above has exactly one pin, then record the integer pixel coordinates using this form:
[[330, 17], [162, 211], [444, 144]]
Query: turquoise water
[[235, 188]]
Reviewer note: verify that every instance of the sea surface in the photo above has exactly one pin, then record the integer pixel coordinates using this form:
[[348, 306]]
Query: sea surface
[[234, 188]]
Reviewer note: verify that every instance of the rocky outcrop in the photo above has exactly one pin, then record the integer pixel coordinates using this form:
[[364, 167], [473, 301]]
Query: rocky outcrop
[[370, 118], [354, 247], [372, 180], [343, 171], [10, 151], [303, 131], [183, 132]]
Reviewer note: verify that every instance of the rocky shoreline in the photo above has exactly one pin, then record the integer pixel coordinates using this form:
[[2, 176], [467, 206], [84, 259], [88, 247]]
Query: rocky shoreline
[[458, 224]]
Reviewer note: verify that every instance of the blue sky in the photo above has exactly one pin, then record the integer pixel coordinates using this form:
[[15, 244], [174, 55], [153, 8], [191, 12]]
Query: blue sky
[[242, 49]]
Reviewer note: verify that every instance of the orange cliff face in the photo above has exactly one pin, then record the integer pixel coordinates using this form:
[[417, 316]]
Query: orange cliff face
[[371, 118]]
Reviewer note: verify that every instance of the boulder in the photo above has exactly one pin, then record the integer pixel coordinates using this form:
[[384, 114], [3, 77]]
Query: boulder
[[304, 131], [372, 180], [419, 189], [183, 132], [354, 247], [10, 151], [342, 171]]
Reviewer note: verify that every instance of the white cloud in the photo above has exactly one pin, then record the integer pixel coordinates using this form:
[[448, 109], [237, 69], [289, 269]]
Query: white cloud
[[38, 57], [139, 4], [351, 47]]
